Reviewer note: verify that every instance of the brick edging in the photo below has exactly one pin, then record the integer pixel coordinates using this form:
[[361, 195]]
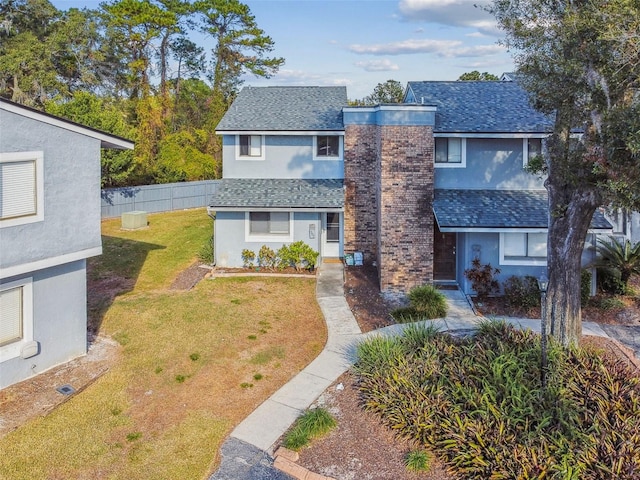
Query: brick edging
[[285, 461]]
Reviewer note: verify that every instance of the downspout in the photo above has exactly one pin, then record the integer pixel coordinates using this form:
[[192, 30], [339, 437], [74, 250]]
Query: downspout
[[212, 215]]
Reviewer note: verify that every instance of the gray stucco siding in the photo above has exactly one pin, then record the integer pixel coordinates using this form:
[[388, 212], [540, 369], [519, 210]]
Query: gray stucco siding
[[285, 156], [71, 164], [60, 319], [490, 163], [229, 239]]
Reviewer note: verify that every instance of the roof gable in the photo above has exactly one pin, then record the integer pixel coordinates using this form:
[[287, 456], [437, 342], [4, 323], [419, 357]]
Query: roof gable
[[106, 139], [286, 108], [479, 107]]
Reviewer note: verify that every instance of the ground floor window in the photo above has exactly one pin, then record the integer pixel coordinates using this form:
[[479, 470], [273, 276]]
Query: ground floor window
[[523, 248], [269, 226], [16, 317]]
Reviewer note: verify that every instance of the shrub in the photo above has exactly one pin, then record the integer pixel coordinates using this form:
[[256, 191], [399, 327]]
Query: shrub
[[482, 279], [205, 254], [312, 424], [609, 281], [620, 256], [248, 257], [522, 292], [418, 461], [267, 257], [428, 301], [478, 403], [299, 255], [405, 315]]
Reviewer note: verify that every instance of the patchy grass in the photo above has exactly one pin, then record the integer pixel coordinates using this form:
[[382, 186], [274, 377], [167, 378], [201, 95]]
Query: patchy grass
[[311, 424], [139, 421]]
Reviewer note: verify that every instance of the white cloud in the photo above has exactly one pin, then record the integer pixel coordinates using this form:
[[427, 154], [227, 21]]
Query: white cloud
[[441, 48], [455, 13], [377, 65]]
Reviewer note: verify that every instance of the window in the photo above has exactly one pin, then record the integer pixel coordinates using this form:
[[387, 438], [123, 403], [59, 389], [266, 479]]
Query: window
[[21, 188], [16, 317], [333, 227], [250, 147], [269, 226], [532, 148], [327, 147], [523, 248], [450, 152]]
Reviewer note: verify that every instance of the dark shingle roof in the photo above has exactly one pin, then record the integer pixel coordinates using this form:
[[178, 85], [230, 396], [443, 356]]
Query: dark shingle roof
[[286, 108], [497, 209], [479, 107], [278, 193]]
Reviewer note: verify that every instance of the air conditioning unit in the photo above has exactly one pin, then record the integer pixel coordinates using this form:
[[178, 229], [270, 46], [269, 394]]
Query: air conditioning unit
[[134, 220]]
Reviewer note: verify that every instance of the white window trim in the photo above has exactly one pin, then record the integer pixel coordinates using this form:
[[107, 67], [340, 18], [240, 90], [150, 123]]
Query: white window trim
[[525, 149], [530, 261], [463, 155], [38, 156], [13, 350], [324, 158], [249, 158], [267, 238]]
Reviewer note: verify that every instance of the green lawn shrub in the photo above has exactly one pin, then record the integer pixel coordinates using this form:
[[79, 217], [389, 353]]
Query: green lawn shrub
[[311, 424], [478, 404], [522, 292], [425, 302]]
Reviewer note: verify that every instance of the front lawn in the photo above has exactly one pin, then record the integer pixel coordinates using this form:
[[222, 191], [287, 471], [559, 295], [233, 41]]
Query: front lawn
[[193, 363]]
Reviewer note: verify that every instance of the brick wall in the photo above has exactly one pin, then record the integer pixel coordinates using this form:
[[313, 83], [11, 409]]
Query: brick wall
[[405, 227], [388, 202], [360, 178]]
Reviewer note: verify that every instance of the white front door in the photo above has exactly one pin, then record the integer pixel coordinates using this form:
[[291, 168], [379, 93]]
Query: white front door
[[331, 235]]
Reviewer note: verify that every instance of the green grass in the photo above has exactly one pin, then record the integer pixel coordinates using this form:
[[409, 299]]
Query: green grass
[[418, 461], [183, 355], [311, 424]]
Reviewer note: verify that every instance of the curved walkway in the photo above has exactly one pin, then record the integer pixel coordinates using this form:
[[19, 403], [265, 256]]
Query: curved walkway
[[247, 453]]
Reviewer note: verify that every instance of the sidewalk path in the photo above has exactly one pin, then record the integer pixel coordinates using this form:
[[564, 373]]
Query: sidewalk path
[[247, 453]]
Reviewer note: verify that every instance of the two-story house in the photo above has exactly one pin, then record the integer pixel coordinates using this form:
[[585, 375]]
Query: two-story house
[[429, 184], [49, 226]]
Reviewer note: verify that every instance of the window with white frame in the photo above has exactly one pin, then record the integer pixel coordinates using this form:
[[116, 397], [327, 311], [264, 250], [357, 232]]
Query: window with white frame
[[327, 147], [269, 226], [450, 152], [523, 248], [532, 147], [16, 317], [250, 147], [21, 188]]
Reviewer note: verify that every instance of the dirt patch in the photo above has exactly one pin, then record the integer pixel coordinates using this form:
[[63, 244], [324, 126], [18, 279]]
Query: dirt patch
[[362, 291], [189, 278], [38, 396], [360, 447]]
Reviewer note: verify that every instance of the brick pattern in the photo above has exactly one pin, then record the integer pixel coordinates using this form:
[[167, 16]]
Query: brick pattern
[[405, 228], [388, 202], [360, 206]]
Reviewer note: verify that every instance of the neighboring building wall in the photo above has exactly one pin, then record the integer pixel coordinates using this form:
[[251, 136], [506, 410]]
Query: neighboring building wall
[[285, 156], [405, 207], [361, 184], [60, 319], [71, 172]]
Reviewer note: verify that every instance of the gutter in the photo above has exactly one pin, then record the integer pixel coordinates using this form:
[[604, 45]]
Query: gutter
[[212, 215]]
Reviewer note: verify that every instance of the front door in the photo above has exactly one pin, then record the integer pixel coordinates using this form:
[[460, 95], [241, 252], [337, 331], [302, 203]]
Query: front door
[[331, 235], [444, 255]]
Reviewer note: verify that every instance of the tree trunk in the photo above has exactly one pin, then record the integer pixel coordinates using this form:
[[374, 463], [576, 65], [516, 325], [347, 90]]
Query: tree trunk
[[570, 213]]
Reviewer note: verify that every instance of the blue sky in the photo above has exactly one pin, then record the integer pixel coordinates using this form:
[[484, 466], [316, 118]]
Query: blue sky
[[360, 43]]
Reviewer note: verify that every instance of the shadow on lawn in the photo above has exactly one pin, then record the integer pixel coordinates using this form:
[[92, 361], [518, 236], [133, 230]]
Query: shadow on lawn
[[113, 273]]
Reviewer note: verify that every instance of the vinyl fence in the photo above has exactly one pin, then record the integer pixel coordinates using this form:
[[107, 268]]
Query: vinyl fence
[[157, 198]]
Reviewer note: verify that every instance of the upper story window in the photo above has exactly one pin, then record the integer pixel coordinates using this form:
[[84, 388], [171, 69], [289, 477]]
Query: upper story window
[[532, 147], [16, 317], [21, 188], [250, 147], [327, 147], [450, 152], [523, 248]]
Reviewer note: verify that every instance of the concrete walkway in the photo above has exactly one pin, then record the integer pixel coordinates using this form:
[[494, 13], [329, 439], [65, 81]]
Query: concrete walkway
[[247, 454]]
